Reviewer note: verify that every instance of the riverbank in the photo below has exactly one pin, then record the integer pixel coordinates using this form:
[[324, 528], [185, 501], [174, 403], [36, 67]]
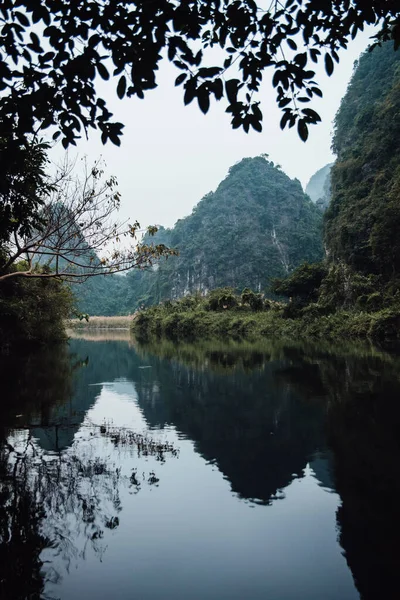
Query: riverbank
[[173, 322]]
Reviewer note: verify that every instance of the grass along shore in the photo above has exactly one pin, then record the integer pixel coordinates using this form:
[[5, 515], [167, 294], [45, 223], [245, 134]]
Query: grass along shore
[[101, 323]]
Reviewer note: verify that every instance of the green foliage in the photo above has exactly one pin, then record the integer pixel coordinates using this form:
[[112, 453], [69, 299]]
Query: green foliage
[[123, 294], [312, 321], [23, 186], [103, 295], [253, 300], [58, 50], [33, 310], [303, 284], [74, 224], [386, 326], [258, 224], [221, 299], [363, 219], [191, 325], [344, 288], [221, 312], [348, 307]]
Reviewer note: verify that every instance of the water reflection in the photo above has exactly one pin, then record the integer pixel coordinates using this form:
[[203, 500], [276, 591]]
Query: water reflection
[[255, 429], [85, 428], [60, 475], [346, 399]]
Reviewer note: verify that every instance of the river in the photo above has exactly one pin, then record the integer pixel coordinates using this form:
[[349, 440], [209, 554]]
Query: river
[[219, 471]]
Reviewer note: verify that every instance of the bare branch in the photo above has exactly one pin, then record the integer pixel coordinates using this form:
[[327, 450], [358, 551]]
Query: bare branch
[[80, 236]]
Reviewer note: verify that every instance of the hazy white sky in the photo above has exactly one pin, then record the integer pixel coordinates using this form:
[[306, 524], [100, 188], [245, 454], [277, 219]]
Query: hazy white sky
[[172, 155]]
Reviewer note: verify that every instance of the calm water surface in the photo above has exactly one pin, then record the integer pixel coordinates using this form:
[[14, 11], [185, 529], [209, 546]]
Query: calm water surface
[[208, 471]]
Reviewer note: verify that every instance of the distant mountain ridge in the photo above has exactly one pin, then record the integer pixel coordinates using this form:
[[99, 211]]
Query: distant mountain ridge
[[257, 225], [319, 187]]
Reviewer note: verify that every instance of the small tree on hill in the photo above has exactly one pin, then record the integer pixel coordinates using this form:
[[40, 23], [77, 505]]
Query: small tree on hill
[[252, 299], [303, 284], [221, 299]]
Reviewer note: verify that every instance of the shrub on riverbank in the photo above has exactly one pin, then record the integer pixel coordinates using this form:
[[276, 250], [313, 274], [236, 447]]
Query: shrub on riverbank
[[202, 317], [33, 310]]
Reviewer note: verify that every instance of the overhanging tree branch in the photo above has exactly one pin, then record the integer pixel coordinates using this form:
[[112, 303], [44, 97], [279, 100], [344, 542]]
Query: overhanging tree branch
[[80, 237], [52, 52]]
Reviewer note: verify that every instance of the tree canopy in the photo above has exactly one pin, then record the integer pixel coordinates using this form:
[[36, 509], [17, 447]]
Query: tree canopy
[[24, 186], [51, 52]]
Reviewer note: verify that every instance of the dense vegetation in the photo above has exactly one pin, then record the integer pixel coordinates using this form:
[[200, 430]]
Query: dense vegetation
[[57, 229], [356, 291], [257, 225], [33, 311], [363, 220], [222, 313], [255, 230]]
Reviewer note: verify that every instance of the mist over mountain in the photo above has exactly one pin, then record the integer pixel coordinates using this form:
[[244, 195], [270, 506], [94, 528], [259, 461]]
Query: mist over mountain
[[319, 187]]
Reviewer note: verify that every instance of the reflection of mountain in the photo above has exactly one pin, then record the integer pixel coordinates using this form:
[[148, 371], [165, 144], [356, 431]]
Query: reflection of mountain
[[364, 431], [50, 392], [99, 362], [363, 422], [321, 464], [258, 432], [256, 429], [260, 427], [229, 418]]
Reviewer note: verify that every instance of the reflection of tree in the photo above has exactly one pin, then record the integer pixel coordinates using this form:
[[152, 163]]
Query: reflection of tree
[[35, 383], [20, 539], [57, 506], [219, 356], [64, 503], [29, 384]]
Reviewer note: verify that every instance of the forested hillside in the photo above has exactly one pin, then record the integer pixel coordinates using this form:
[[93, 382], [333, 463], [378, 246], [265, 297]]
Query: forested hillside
[[119, 294], [355, 291], [361, 283], [363, 220], [257, 225]]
